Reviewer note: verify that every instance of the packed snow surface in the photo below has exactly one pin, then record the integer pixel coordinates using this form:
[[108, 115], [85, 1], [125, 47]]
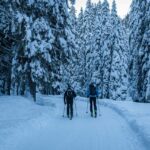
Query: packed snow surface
[[25, 125]]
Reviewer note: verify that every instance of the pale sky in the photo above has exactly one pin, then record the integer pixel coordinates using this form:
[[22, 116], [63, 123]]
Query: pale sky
[[123, 6]]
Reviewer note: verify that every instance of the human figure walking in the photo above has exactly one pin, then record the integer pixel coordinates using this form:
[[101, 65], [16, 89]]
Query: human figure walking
[[68, 100], [92, 93]]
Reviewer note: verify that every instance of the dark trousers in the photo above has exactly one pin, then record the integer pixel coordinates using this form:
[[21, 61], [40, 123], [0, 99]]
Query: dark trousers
[[70, 108], [93, 104]]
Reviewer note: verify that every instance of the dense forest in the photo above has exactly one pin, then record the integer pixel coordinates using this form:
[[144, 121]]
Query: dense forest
[[44, 46]]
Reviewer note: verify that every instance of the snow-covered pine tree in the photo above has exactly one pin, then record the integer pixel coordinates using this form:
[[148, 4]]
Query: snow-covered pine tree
[[89, 16], [144, 52], [105, 43], [5, 47], [97, 74], [146, 58], [118, 79], [71, 75], [43, 31], [81, 51], [102, 40], [23, 12], [139, 49], [133, 25], [86, 51], [39, 47], [65, 44]]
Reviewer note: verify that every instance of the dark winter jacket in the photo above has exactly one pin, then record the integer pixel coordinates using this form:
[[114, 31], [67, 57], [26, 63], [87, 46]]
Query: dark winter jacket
[[88, 92], [70, 98]]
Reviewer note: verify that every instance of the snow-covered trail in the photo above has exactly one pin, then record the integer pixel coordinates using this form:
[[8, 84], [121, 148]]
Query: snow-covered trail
[[107, 132]]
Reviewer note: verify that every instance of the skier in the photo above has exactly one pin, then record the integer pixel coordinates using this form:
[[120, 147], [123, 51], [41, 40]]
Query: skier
[[92, 93], [68, 99]]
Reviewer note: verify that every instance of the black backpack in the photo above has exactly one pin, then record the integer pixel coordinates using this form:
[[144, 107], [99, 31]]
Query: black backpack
[[92, 90], [70, 93]]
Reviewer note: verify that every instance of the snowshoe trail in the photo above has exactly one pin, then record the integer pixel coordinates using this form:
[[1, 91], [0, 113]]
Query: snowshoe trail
[[106, 132]]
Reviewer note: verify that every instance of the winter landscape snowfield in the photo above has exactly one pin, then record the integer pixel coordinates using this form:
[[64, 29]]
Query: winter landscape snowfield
[[47, 49], [24, 125]]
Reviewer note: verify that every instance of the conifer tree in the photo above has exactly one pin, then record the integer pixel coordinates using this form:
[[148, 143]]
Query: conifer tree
[[139, 49], [118, 79], [105, 48]]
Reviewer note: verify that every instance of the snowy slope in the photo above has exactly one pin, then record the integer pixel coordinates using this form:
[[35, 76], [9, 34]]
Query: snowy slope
[[136, 114], [17, 115], [27, 126]]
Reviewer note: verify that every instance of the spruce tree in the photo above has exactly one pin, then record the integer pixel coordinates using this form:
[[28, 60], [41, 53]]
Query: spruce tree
[[105, 48], [6, 44], [118, 79], [139, 49]]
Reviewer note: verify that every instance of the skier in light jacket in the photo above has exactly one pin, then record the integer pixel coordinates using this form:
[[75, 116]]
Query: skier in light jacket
[[92, 93]]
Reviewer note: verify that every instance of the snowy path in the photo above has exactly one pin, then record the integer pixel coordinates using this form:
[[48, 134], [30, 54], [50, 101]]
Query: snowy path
[[108, 132]]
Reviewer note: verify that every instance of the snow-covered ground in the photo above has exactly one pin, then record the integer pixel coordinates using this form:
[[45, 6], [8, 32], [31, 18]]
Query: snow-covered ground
[[25, 125], [137, 115]]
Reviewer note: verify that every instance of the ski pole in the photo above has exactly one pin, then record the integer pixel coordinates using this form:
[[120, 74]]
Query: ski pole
[[64, 110], [99, 107], [87, 106], [75, 108]]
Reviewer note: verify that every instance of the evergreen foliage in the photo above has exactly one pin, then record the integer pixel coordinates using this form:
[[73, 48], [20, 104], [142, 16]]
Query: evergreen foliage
[[139, 40], [44, 46]]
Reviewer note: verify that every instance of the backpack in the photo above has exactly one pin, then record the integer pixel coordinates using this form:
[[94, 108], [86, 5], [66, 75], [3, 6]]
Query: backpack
[[92, 90], [69, 93]]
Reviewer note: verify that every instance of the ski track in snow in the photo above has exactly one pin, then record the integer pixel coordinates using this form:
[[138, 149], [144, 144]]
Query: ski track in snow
[[107, 132]]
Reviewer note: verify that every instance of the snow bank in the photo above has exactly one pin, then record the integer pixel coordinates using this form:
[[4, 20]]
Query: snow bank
[[136, 114], [19, 115]]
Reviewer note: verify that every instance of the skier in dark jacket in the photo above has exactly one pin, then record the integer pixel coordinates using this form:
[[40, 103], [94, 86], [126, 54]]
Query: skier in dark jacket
[[68, 99], [92, 93]]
